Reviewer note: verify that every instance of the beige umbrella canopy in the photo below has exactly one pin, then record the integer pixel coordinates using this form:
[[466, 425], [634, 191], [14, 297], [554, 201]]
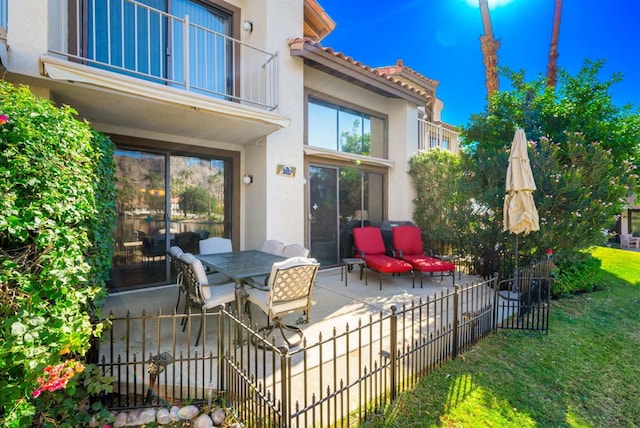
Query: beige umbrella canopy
[[520, 213]]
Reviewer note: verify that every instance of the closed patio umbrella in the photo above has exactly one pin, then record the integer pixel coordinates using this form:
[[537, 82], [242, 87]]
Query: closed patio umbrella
[[520, 213]]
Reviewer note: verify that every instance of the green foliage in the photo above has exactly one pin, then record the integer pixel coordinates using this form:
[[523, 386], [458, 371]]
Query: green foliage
[[195, 200], [355, 142], [579, 273], [56, 218], [442, 207], [584, 157]]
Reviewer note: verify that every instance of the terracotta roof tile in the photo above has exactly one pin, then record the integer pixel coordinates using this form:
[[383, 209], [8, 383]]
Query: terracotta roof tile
[[380, 72], [399, 67]]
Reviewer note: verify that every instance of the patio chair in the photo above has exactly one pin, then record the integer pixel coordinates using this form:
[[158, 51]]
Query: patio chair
[[295, 250], [272, 246], [628, 241], [369, 246], [289, 290], [152, 248], [200, 293], [213, 246], [291, 250], [407, 245], [174, 257]]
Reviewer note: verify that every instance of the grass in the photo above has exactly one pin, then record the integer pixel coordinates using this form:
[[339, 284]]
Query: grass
[[584, 373]]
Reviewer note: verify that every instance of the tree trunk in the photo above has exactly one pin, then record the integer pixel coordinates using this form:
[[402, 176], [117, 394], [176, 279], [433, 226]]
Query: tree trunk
[[489, 46], [552, 65]]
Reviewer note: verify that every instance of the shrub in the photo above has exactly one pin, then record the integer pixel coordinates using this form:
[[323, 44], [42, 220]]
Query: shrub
[[580, 273], [56, 218]]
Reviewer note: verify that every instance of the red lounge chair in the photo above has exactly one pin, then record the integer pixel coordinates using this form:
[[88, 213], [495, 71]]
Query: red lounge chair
[[369, 246], [407, 245]]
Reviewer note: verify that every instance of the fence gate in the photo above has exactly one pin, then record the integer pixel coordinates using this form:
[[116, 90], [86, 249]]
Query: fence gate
[[522, 302]]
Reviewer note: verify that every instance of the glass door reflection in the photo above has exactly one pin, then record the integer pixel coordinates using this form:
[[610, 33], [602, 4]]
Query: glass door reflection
[[141, 237]]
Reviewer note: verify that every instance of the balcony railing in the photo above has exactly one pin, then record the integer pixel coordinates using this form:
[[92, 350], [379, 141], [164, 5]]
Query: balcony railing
[[137, 40], [433, 136]]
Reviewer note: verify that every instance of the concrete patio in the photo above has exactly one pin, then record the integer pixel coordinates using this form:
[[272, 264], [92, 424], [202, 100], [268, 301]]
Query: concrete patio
[[334, 304]]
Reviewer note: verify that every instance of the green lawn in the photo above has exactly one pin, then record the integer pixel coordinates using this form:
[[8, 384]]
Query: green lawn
[[584, 373]]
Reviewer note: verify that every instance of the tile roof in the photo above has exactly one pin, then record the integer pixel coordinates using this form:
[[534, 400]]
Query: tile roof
[[399, 68], [385, 74]]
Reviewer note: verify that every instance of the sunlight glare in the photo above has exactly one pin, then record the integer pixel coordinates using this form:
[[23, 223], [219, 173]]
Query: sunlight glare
[[492, 3]]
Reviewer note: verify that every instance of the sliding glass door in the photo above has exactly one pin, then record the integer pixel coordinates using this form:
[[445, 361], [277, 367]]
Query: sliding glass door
[[165, 199], [339, 200]]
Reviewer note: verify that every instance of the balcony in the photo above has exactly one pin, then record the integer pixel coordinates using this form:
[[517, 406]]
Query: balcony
[[133, 39], [432, 135], [135, 71]]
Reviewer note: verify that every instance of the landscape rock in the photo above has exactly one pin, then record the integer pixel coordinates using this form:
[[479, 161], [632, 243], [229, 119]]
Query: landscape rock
[[163, 416], [203, 421], [188, 412], [218, 417], [121, 420], [174, 413], [147, 416], [133, 417]]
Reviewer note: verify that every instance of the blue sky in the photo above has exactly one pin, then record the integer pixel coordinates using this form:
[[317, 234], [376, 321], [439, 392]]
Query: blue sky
[[440, 39]]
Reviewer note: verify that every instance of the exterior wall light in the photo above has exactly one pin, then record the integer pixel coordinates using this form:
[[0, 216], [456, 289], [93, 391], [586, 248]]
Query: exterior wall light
[[247, 179], [247, 25]]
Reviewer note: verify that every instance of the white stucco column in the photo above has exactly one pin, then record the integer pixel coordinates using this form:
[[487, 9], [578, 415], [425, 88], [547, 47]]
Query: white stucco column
[[403, 143], [275, 201]]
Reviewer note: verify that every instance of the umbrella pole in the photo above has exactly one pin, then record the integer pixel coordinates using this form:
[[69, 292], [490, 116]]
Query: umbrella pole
[[515, 287]]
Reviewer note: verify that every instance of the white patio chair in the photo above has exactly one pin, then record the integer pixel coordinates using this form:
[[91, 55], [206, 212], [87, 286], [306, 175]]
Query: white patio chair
[[272, 246], [216, 245], [295, 250], [629, 241], [278, 248], [290, 286], [200, 293]]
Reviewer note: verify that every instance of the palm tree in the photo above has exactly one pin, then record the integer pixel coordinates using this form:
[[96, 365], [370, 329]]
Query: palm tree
[[552, 65], [489, 46]]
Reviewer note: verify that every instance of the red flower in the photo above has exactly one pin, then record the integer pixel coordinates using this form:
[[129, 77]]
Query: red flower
[[549, 251], [3, 119], [56, 377]]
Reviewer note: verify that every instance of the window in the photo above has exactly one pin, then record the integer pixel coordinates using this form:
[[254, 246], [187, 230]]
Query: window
[[334, 127]]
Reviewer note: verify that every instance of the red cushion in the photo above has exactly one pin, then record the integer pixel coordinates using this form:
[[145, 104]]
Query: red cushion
[[407, 239], [386, 264], [429, 264], [368, 240]]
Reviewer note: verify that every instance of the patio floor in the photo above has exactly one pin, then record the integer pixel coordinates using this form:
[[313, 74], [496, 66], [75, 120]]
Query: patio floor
[[334, 304]]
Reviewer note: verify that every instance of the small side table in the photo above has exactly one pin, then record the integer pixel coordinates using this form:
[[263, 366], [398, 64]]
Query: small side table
[[347, 265], [452, 258]]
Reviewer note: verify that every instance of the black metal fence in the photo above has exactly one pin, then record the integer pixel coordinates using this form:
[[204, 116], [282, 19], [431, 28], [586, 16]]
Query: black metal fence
[[334, 379]]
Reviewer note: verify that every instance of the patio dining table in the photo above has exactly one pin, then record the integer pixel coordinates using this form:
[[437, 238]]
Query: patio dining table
[[239, 265]]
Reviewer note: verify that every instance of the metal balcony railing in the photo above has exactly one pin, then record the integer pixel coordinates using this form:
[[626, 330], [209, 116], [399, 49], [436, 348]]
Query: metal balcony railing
[[433, 136], [134, 39]]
